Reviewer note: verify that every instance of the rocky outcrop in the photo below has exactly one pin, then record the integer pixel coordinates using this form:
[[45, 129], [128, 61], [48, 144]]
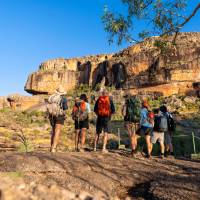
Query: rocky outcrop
[[143, 67], [3, 103], [66, 72], [19, 102]]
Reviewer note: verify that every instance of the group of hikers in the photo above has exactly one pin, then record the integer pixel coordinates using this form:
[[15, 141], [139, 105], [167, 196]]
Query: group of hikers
[[155, 125]]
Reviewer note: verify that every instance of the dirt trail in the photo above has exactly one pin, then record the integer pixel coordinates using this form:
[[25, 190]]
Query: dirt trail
[[112, 174]]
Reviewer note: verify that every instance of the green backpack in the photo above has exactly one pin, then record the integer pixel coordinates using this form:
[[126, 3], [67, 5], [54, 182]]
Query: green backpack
[[133, 107]]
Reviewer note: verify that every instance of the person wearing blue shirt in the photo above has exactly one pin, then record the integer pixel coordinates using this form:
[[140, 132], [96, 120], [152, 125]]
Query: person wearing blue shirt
[[146, 127]]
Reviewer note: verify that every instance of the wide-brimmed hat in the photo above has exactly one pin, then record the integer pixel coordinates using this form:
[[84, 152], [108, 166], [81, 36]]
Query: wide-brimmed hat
[[60, 90]]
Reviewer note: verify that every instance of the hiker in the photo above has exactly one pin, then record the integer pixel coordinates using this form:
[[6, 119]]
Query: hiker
[[80, 115], [56, 108], [169, 132], [131, 112], [160, 126], [104, 108], [146, 127]]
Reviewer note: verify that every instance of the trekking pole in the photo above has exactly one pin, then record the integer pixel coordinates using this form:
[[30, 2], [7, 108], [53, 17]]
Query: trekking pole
[[118, 137], [193, 141]]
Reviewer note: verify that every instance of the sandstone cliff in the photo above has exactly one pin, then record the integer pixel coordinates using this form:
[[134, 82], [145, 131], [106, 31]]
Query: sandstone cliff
[[142, 67]]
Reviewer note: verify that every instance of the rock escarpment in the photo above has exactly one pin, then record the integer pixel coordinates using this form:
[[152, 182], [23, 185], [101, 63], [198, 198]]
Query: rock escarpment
[[169, 69]]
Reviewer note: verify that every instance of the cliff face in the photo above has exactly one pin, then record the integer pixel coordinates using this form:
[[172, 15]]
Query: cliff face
[[66, 72], [142, 67]]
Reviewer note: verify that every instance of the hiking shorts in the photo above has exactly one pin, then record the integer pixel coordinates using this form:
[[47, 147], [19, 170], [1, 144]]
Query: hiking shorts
[[103, 124], [157, 136], [56, 120], [81, 124], [131, 125], [144, 130], [168, 138]]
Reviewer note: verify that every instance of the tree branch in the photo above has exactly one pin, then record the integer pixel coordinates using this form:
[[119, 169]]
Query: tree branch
[[177, 28]]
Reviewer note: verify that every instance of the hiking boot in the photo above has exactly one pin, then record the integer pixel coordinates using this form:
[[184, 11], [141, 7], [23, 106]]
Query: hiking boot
[[104, 151], [95, 149], [161, 156], [171, 153], [166, 154], [148, 156], [133, 153]]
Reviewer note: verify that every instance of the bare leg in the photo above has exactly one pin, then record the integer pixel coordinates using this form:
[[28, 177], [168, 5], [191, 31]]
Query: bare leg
[[76, 139], [52, 135], [96, 140], [105, 140], [56, 135], [134, 137], [83, 135], [149, 144], [131, 136], [171, 148], [167, 147], [162, 147]]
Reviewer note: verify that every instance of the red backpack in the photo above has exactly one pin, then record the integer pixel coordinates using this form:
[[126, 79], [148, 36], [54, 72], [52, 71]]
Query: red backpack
[[79, 111], [104, 106]]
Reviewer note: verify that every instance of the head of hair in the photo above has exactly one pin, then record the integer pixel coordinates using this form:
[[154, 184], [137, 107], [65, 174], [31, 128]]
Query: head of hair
[[84, 97], [145, 104], [78, 63], [156, 110], [104, 92], [163, 108]]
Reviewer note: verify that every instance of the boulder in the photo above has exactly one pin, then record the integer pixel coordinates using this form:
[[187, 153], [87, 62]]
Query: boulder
[[20, 102]]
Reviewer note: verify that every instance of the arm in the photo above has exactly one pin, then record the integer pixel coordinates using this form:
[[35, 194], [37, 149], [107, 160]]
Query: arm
[[96, 107], [123, 110], [112, 107], [64, 104]]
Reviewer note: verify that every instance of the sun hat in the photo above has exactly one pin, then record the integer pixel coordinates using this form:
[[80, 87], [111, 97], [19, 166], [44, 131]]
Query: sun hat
[[60, 90]]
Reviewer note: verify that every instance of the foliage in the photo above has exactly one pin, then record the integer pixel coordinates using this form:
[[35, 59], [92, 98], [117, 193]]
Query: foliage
[[16, 174], [162, 17], [26, 145]]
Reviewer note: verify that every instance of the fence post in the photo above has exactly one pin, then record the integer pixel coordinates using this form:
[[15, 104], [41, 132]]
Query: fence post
[[118, 137], [193, 141]]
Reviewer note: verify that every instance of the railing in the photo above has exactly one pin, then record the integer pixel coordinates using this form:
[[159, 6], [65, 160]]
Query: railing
[[193, 138]]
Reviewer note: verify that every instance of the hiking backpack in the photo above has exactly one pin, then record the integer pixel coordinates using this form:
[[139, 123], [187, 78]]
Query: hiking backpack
[[104, 106], [161, 123], [80, 112], [54, 105], [171, 123], [133, 105]]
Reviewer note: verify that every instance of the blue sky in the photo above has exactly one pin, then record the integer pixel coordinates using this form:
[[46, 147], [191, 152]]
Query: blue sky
[[33, 31]]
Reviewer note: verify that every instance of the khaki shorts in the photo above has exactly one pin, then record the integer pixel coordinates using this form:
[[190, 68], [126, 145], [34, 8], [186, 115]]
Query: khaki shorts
[[157, 136]]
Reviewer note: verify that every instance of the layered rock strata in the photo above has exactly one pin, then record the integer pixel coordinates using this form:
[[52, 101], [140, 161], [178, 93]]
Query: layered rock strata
[[169, 69]]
